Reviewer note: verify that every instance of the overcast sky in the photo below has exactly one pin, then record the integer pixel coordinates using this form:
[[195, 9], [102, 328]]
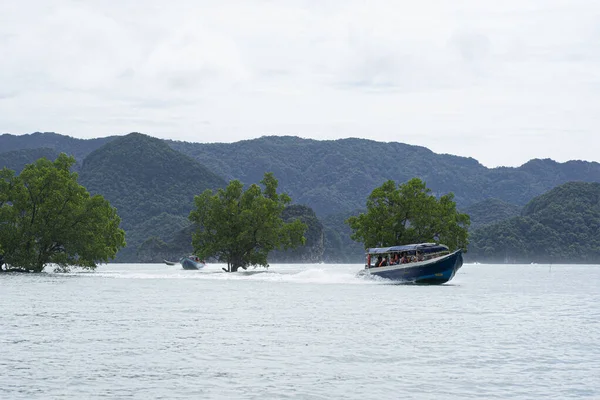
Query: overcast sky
[[499, 81]]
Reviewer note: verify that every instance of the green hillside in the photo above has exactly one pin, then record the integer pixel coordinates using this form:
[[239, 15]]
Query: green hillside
[[17, 159], [490, 211], [78, 148], [333, 176], [312, 251], [152, 182], [156, 250], [147, 182], [561, 226], [338, 245], [336, 175]]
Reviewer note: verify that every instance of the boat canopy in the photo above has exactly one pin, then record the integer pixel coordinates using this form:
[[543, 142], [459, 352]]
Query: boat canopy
[[421, 247]]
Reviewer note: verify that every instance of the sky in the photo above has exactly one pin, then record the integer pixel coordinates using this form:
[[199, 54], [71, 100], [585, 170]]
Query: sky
[[502, 82]]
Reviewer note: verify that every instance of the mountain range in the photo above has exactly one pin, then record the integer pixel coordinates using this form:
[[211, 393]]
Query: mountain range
[[152, 181]]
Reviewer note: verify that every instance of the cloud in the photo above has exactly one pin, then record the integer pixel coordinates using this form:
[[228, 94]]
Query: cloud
[[499, 82]]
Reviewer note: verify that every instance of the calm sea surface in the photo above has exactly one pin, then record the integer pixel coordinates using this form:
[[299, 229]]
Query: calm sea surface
[[150, 331]]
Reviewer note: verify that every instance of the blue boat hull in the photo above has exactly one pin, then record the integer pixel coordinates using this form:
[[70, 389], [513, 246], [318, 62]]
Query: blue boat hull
[[430, 272], [188, 263]]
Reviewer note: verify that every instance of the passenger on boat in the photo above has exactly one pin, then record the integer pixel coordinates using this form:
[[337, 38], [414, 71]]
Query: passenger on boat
[[384, 262], [395, 260], [404, 259], [378, 261]]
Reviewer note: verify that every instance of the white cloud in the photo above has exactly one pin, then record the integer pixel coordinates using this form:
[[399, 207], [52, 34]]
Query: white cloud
[[502, 82]]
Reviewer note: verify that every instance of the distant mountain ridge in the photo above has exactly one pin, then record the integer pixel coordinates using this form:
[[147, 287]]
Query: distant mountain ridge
[[333, 176], [337, 175], [152, 181], [18, 159], [78, 148]]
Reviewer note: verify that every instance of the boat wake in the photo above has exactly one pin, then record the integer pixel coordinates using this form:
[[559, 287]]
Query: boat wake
[[313, 274]]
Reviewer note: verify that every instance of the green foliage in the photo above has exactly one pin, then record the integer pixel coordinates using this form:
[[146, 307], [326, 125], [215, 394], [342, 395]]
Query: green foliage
[[46, 217], [163, 226], [562, 225], [156, 249], [333, 176], [408, 213], [241, 227], [312, 250], [153, 250], [144, 179], [151, 185], [490, 211], [16, 160], [339, 247]]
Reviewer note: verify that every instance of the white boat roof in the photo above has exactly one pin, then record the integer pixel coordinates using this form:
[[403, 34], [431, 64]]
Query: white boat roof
[[422, 247]]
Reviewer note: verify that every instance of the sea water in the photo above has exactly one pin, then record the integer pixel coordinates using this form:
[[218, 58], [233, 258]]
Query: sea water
[[152, 331]]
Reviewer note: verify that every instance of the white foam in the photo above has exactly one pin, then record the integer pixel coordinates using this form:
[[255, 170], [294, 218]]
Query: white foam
[[285, 273]]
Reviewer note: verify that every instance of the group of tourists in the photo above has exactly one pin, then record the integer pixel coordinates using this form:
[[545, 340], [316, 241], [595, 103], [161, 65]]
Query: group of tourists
[[398, 258]]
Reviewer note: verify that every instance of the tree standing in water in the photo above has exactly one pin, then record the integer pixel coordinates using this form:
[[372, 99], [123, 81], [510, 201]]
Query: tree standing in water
[[408, 213], [46, 217], [241, 227]]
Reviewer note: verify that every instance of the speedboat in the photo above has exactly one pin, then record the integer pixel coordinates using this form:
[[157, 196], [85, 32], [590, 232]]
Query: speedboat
[[192, 262]]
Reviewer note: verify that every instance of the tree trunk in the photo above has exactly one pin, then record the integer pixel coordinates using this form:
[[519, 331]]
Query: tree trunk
[[235, 264]]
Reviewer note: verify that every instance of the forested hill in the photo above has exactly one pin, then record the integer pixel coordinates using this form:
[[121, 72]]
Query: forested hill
[[78, 148], [333, 176], [337, 175], [151, 185], [18, 159], [561, 226], [490, 211], [152, 182]]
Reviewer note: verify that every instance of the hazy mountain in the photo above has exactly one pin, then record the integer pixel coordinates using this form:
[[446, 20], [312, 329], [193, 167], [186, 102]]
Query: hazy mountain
[[561, 226], [338, 245], [333, 176], [312, 250], [78, 148], [144, 178], [17, 159], [489, 211], [151, 181]]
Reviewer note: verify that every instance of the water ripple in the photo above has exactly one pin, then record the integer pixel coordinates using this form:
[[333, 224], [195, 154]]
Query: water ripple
[[310, 332]]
